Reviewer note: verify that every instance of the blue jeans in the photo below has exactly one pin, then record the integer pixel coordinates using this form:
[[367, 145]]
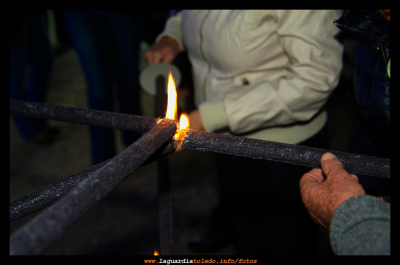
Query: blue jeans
[[107, 43], [30, 48]]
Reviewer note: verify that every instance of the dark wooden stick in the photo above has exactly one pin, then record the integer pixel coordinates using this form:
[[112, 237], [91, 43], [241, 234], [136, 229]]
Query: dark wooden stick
[[41, 231], [163, 177], [98, 118], [51, 193], [285, 153]]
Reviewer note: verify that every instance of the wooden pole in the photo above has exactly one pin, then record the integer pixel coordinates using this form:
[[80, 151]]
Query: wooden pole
[[41, 231]]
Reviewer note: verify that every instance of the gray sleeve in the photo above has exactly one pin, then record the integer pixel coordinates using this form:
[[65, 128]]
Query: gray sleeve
[[361, 226]]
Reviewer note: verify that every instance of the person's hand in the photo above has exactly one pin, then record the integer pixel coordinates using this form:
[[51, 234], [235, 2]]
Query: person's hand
[[323, 190], [164, 51], [195, 123]]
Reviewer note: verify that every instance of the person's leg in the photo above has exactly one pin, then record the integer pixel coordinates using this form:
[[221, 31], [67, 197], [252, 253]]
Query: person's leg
[[90, 36], [30, 48], [126, 36], [18, 67], [40, 57]]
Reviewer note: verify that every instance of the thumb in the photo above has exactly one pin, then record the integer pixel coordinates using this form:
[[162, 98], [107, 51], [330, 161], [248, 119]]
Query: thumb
[[328, 156], [331, 166]]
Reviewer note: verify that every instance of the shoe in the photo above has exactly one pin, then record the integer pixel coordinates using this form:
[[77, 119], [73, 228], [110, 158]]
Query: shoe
[[47, 137]]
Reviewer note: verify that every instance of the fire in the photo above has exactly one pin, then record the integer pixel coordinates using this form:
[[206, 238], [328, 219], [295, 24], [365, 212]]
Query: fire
[[155, 253], [172, 109], [183, 126], [172, 99], [184, 121]]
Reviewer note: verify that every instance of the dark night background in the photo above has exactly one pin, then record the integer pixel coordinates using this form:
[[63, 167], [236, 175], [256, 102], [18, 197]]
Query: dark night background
[[126, 222]]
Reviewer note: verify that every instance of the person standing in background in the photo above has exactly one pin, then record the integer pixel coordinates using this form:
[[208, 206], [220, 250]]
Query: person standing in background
[[371, 77], [107, 43], [30, 50], [263, 74]]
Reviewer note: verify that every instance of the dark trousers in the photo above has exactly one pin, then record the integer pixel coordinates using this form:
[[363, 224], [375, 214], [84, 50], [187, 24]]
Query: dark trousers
[[262, 207], [107, 43], [30, 50]]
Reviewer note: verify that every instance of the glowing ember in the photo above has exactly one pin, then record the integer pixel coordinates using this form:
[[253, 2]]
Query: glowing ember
[[155, 253]]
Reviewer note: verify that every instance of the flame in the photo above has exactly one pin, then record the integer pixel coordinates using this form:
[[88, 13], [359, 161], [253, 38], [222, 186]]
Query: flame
[[172, 99], [155, 253], [172, 110], [183, 126], [184, 121]]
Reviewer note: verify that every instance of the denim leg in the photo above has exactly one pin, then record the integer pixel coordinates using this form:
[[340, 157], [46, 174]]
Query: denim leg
[[91, 38], [126, 36], [30, 48], [40, 57]]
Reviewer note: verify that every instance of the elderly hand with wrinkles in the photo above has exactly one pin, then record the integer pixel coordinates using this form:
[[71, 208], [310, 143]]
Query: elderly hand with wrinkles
[[323, 190]]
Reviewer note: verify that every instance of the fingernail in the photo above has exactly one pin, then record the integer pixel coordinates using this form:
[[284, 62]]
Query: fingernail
[[327, 156]]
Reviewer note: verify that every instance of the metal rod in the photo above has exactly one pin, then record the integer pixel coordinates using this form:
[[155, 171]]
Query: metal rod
[[285, 153], [51, 193], [41, 231], [82, 116]]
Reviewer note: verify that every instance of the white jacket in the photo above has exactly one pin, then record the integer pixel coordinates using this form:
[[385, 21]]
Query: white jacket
[[264, 73]]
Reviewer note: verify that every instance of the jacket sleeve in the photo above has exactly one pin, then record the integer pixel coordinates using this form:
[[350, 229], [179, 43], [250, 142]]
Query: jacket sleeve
[[173, 29], [307, 37], [361, 226]]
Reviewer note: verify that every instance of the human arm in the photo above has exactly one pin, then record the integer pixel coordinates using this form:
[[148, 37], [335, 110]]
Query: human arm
[[361, 226], [168, 44], [358, 223]]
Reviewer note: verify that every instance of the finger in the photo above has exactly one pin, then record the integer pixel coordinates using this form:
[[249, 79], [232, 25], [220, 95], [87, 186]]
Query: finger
[[149, 55], [152, 56], [168, 58], [328, 157], [310, 179], [317, 221], [155, 58], [354, 177], [331, 166], [315, 175]]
